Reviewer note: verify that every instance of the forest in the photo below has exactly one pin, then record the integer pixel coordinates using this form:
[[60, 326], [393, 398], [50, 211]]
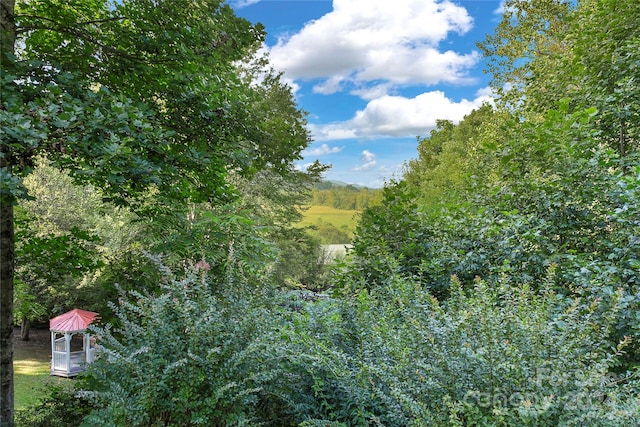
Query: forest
[[152, 179], [348, 197]]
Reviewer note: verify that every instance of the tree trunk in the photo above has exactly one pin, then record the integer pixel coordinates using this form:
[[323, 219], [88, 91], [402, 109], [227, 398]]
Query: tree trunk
[[6, 312], [25, 327], [7, 238]]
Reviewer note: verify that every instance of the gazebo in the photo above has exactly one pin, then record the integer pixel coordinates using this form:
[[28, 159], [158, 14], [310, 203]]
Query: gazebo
[[71, 345]]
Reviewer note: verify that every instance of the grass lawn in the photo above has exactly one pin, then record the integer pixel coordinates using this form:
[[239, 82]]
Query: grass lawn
[[340, 218], [31, 364]]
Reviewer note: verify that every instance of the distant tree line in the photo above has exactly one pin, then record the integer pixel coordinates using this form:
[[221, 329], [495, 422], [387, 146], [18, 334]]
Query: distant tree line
[[347, 197]]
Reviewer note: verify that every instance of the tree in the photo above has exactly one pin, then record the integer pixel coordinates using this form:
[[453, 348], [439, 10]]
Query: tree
[[47, 263], [142, 99], [56, 247], [585, 51], [550, 189], [606, 45], [449, 157], [529, 35]]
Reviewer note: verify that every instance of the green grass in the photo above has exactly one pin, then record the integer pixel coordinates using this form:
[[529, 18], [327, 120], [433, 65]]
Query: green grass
[[340, 218], [31, 368]]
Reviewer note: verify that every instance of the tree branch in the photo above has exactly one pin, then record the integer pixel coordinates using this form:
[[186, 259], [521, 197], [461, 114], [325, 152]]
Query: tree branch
[[85, 36]]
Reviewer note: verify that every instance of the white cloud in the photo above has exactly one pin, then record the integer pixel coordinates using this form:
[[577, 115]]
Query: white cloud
[[367, 159], [399, 116], [331, 132], [372, 92], [324, 149], [243, 3], [486, 93], [331, 85], [359, 43]]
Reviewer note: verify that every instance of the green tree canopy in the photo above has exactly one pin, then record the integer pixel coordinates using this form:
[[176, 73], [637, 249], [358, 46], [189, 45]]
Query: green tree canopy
[[141, 98]]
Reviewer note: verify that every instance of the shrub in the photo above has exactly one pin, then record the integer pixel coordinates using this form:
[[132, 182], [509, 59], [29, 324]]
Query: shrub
[[393, 355], [62, 408], [492, 356], [182, 357]]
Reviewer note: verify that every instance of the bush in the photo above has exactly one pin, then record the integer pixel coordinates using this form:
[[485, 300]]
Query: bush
[[62, 408], [495, 356], [183, 357], [393, 355]]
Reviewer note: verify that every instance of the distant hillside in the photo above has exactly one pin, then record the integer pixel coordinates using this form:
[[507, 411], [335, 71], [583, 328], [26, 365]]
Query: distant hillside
[[328, 184]]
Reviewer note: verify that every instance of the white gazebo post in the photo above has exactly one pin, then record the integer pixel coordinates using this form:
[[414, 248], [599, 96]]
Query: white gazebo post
[[53, 350], [67, 351], [88, 350], [64, 362]]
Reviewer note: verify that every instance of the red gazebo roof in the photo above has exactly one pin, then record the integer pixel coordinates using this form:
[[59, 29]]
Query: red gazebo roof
[[74, 320]]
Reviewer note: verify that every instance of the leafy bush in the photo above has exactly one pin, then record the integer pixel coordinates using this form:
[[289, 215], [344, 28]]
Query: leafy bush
[[495, 355], [392, 356], [182, 357], [301, 262], [198, 353], [62, 408]]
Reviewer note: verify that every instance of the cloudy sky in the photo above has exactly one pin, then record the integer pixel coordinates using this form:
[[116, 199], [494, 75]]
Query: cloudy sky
[[375, 74]]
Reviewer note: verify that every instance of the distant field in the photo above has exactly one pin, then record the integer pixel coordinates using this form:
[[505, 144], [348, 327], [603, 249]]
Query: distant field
[[342, 219]]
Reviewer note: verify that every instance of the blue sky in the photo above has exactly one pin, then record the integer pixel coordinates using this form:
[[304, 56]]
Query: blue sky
[[375, 74]]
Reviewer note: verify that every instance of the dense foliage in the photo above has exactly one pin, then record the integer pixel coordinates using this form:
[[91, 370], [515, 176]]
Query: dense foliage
[[155, 104], [496, 284], [207, 353], [537, 182]]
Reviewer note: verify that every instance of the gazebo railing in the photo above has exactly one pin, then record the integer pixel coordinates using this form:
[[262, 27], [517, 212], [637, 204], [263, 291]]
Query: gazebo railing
[[59, 361], [59, 357], [75, 363], [70, 363]]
